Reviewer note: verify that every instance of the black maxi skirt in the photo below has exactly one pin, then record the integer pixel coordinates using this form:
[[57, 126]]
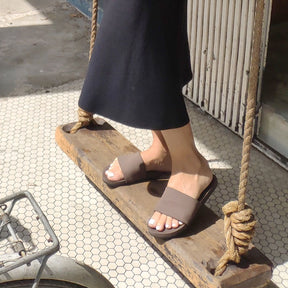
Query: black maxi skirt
[[139, 65]]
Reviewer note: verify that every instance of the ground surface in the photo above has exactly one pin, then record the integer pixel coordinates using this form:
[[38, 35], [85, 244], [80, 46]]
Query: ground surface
[[44, 54]]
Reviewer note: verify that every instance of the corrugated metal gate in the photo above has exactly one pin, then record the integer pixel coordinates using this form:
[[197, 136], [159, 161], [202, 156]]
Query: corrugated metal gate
[[220, 38]]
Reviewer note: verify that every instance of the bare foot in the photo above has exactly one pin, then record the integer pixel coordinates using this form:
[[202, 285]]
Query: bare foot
[[153, 160], [188, 182]]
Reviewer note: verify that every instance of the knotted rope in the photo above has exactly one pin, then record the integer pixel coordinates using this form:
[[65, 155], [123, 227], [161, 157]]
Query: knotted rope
[[239, 223], [84, 117], [239, 229]]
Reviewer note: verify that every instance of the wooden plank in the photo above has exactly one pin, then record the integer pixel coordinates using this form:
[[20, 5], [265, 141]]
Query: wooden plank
[[196, 254]]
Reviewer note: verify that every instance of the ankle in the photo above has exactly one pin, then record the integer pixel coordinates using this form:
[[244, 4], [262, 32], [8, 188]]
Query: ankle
[[156, 159], [192, 165]]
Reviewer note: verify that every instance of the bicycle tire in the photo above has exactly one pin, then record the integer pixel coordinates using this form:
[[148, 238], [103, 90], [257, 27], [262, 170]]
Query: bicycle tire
[[44, 283]]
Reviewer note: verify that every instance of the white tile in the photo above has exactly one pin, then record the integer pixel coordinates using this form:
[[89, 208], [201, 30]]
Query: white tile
[[91, 230]]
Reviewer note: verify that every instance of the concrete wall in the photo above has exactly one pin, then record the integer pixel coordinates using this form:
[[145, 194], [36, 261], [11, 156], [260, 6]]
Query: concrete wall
[[85, 7]]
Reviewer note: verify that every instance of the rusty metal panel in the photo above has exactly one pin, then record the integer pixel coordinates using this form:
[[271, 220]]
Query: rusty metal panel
[[220, 34]]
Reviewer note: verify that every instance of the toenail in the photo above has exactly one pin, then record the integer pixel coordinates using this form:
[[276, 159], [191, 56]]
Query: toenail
[[151, 221], [110, 174], [174, 225], [180, 223], [158, 227], [167, 226]]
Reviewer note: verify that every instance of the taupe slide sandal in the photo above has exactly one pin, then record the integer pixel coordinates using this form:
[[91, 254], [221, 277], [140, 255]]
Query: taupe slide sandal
[[181, 207], [134, 171]]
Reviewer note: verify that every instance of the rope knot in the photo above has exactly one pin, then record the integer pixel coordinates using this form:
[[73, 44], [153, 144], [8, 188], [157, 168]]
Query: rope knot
[[84, 119], [239, 229]]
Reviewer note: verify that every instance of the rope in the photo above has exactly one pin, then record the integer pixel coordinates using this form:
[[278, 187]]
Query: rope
[[93, 26], [239, 229], [239, 223], [84, 117]]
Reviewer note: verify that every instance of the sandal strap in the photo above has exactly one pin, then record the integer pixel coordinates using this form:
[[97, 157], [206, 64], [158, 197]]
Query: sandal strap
[[178, 205], [132, 166]]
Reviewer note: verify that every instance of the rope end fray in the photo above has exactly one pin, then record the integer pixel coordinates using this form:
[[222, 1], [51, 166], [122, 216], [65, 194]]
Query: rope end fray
[[239, 227], [85, 119]]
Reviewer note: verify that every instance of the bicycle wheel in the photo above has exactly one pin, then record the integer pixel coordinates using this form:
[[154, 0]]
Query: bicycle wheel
[[44, 283]]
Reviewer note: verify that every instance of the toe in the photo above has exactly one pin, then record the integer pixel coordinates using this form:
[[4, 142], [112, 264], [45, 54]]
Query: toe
[[114, 172], [168, 224], [161, 223], [109, 174], [154, 220], [175, 223]]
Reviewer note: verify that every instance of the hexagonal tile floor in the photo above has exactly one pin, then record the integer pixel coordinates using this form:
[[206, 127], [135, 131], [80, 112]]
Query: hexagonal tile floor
[[88, 227]]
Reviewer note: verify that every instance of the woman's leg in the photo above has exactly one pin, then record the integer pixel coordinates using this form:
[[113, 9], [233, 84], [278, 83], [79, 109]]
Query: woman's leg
[[156, 158], [191, 173]]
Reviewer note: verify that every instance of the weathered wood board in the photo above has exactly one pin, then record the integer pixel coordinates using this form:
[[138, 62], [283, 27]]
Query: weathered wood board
[[196, 254]]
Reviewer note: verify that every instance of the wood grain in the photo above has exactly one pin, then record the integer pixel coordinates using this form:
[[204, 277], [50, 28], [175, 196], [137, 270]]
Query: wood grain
[[196, 253]]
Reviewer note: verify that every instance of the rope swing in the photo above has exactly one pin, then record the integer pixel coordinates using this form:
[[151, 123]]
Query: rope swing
[[85, 118], [239, 221]]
